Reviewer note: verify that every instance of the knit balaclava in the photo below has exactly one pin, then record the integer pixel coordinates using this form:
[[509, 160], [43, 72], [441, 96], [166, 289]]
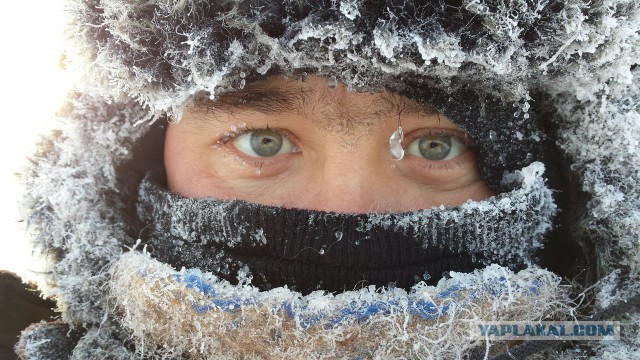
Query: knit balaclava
[[127, 264]]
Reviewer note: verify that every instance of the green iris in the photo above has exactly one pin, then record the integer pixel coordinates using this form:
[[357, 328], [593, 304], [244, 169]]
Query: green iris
[[435, 147], [266, 143]]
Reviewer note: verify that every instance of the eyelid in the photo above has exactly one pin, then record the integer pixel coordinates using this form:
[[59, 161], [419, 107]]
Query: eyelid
[[234, 134], [226, 143], [463, 137]]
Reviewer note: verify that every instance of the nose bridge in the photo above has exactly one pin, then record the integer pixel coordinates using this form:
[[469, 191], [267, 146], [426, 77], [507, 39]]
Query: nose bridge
[[345, 183]]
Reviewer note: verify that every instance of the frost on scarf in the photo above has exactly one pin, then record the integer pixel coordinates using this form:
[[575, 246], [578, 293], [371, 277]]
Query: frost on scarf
[[212, 234]]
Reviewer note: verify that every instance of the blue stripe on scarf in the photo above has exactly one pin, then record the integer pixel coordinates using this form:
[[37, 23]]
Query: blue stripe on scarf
[[354, 311]]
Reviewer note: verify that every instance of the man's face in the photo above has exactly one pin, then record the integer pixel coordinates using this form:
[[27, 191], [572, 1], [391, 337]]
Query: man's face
[[307, 144]]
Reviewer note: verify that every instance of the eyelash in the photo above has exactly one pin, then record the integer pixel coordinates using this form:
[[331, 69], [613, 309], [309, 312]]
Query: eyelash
[[230, 135], [441, 165], [460, 136], [254, 161]]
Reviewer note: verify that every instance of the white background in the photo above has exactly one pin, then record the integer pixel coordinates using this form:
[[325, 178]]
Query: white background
[[32, 88]]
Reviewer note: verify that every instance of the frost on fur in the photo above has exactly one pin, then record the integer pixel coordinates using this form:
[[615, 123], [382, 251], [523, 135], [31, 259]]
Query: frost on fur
[[73, 203], [604, 144], [194, 314], [163, 52], [579, 56]]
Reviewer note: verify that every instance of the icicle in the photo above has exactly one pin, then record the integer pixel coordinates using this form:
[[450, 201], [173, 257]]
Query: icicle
[[395, 144]]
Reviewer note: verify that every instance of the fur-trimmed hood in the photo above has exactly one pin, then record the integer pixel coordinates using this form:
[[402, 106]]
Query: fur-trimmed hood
[[570, 66]]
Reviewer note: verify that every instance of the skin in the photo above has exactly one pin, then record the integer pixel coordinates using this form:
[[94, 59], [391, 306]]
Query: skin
[[341, 160]]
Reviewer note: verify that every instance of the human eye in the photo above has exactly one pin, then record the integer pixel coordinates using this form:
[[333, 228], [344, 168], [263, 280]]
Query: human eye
[[437, 146], [263, 143]]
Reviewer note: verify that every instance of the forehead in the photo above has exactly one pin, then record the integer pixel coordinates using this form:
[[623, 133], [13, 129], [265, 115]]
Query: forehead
[[316, 99]]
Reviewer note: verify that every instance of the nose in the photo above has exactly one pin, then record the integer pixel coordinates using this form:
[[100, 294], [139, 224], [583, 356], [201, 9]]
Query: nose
[[349, 184]]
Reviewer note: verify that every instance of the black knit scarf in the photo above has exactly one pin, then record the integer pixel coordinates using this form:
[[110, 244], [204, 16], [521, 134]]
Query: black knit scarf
[[310, 250]]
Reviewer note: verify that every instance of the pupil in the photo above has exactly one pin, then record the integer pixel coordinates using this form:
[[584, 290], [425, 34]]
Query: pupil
[[266, 143]]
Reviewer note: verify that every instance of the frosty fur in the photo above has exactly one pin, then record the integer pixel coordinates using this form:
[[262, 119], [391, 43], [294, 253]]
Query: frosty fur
[[141, 59], [162, 313], [163, 52]]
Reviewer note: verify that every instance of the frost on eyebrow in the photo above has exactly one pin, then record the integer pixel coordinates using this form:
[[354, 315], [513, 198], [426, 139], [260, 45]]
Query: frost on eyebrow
[[338, 113], [268, 99]]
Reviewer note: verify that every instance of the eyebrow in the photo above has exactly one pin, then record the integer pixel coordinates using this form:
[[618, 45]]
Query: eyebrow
[[275, 99], [265, 99]]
